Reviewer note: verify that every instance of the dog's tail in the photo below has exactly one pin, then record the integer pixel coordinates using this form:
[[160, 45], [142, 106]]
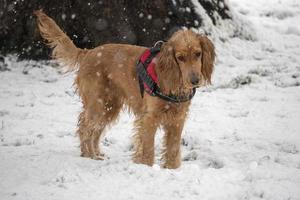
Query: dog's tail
[[64, 49]]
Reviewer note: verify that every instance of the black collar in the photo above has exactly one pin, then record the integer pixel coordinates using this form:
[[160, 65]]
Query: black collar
[[147, 83]]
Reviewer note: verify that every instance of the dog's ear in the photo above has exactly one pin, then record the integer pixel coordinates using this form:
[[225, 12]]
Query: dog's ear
[[208, 57], [167, 58], [168, 70]]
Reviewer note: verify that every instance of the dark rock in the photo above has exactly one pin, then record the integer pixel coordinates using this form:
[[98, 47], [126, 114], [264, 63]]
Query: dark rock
[[240, 80], [3, 65]]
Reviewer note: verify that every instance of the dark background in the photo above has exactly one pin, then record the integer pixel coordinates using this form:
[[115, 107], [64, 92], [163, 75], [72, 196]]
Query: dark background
[[94, 22]]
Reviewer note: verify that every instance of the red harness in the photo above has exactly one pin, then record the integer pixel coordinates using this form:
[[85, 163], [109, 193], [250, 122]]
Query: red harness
[[150, 69], [148, 78]]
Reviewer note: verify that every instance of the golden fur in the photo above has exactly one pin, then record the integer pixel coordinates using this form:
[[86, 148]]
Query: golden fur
[[106, 81]]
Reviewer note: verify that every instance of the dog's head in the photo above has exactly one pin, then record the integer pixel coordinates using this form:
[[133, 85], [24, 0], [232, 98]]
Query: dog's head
[[188, 58]]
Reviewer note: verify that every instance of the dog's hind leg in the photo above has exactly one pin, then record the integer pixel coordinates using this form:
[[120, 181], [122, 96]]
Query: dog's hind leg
[[88, 130], [92, 124], [109, 115], [96, 139]]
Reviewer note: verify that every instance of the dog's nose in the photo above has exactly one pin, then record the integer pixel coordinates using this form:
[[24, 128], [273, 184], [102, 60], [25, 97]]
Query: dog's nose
[[194, 79]]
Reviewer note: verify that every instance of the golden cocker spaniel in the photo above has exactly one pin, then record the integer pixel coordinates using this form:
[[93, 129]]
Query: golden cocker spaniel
[[107, 80]]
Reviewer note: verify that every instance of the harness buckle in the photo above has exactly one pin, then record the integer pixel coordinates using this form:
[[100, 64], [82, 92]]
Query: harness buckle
[[158, 42]]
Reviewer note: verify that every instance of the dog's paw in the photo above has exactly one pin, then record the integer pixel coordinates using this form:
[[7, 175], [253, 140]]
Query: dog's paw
[[94, 157], [98, 157]]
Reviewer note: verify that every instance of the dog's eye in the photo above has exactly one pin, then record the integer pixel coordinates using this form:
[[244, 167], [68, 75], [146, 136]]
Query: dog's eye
[[181, 58], [198, 54]]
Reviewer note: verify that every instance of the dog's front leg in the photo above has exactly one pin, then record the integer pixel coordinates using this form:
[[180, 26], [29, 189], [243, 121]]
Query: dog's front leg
[[171, 154], [145, 129]]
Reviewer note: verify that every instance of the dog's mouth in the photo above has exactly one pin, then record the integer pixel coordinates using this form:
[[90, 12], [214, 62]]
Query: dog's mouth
[[190, 87], [197, 86], [202, 83]]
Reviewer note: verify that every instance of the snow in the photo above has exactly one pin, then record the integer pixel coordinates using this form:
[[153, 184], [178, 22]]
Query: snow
[[241, 140]]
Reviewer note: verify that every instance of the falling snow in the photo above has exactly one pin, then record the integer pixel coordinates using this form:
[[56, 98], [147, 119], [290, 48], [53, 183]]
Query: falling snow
[[241, 139]]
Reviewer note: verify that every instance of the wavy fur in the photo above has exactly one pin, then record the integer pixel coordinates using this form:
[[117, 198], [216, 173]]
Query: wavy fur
[[64, 49]]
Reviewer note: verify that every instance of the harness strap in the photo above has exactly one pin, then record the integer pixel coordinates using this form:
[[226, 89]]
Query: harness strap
[[176, 99], [145, 78]]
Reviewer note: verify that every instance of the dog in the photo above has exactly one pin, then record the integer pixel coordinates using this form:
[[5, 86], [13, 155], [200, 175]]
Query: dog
[[107, 81]]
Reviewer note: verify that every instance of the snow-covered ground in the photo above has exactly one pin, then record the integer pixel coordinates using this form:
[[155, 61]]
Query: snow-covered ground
[[241, 140]]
